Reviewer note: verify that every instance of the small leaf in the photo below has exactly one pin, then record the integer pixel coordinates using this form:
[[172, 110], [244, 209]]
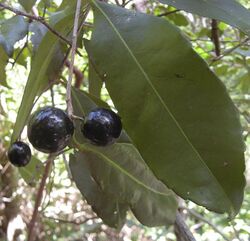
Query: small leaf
[[106, 206], [27, 4], [3, 63], [228, 11], [32, 172], [11, 31], [176, 111]]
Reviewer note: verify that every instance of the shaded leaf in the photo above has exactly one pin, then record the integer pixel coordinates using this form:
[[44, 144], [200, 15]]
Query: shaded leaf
[[228, 11], [176, 111], [32, 172], [27, 4], [11, 31], [120, 171], [106, 206], [95, 83]]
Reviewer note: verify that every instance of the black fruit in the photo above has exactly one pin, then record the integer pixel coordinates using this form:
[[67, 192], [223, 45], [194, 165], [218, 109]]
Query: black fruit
[[102, 126], [19, 154], [50, 129]]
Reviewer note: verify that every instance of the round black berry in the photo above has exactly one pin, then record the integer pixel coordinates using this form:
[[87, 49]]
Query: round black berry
[[50, 129], [102, 126], [19, 154]]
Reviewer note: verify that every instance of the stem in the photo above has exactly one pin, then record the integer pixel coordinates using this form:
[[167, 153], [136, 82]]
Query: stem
[[39, 198], [229, 51], [215, 36], [182, 229], [73, 52]]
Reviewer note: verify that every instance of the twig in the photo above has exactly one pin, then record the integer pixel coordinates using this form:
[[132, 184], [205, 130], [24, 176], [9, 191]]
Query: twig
[[73, 52], [39, 198], [71, 221], [236, 232], [215, 36], [200, 217], [229, 51], [78, 74], [182, 229], [168, 13], [36, 18]]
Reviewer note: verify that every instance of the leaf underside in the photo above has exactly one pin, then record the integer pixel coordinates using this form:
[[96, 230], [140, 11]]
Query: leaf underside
[[121, 172], [228, 11]]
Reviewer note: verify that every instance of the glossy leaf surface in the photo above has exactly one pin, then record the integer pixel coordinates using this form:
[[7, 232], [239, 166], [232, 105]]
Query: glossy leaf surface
[[175, 110]]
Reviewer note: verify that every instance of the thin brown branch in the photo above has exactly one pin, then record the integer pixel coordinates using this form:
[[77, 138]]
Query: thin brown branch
[[70, 221], [39, 198], [168, 13], [229, 51], [200, 217], [215, 36], [73, 52], [36, 18], [78, 75], [181, 229]]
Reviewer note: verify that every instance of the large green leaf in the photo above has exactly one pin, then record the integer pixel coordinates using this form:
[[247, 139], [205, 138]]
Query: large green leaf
[[106, 206], [228, 11], [39, 75], [11, 31], [175, 110], [120, 171]]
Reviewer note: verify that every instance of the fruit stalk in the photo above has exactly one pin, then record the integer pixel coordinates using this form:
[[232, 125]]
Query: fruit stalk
[[73, 52], [39, 198]]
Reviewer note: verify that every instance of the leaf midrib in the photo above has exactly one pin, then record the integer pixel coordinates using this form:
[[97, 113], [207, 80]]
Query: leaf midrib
[[112, 163], [160, 99], [84, 148]]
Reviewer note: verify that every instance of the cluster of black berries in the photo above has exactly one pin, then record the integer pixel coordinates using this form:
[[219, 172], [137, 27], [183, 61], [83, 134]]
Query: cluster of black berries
[[50, 130]]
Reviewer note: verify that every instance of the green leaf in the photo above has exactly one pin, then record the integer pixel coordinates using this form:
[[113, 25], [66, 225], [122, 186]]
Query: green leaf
[[120, 171], [11, 31], [106, 206], [95, 83], [228, 11], [41, 68], [27, 4], [176, 111], [32, 172], [178, 19], [3, 63]]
